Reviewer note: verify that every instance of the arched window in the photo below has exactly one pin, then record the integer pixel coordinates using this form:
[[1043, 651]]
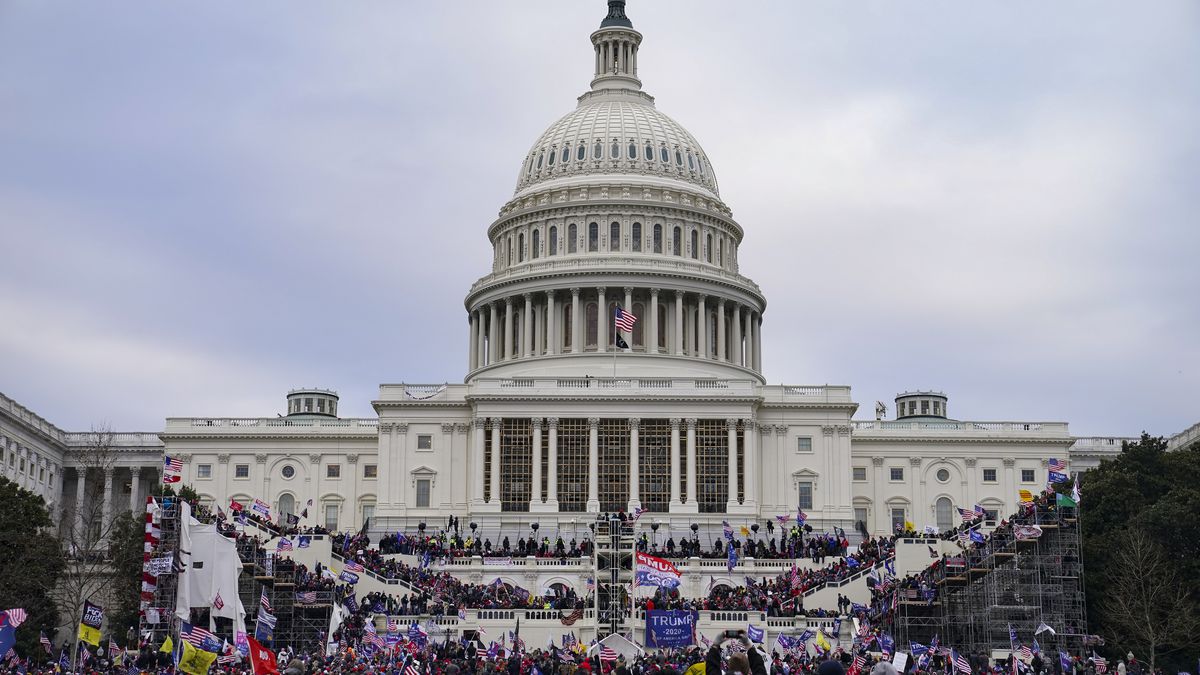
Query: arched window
[[639, 310], [712, 335], [700, 164], [567, 311], [510, 250], [536, 240], [287, 504], [691, 164], [597, 150], [614, 151], [678, 158], [553, 240], [593, 237], [649, 154], [614, 236], [664, 155], [541, 155], [695, 244], [566, 156], [521, 247], [632, 149], [662, 325], [943, 509], [658, 238], [572, 238], [720, 252], [529, 167], [635, 237], [590, 324], [552, 153], [581, 153], [677, 241], [708, 250]]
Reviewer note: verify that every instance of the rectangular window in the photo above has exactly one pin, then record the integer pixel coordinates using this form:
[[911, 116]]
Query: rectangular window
[[1027, 475], [42, 475], [860, 473], [898, 519], [990, 516], [423, 493], [368, 512], [204, 471], [333, 471], [989, 475], [804, 444], [424, 442], [805, 500], [331, 517], [370, 470], [860, 515], [241, 470], [896, 473]]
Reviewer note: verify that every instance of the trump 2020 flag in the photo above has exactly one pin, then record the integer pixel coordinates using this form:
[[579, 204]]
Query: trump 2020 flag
[[754, 633], [652, 571]]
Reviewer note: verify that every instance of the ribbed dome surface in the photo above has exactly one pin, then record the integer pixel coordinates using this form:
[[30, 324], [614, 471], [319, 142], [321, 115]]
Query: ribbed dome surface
[[614, 137]]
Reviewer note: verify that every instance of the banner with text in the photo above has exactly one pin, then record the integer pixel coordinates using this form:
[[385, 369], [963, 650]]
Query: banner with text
[[670, 628]]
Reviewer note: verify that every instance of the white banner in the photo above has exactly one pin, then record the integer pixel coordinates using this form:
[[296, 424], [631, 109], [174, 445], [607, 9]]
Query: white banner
[[498, 562]]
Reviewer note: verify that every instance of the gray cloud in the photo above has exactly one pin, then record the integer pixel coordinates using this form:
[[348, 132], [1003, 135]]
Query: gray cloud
[[203, 205]]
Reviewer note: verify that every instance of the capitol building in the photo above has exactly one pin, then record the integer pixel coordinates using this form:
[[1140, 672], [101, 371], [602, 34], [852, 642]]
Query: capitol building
[[564, 411]]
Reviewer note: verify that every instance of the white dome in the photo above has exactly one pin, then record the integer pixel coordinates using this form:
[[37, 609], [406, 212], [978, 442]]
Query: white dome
[[613, 137]]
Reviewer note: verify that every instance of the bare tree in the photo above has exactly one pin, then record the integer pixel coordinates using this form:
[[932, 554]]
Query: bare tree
[[1147, 599]]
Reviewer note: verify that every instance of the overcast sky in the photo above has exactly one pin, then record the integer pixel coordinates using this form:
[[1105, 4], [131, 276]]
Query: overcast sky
[[204, 204]]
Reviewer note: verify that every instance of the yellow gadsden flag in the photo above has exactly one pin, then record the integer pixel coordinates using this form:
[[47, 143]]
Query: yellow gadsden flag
[[1026, 496], [167, 646], [695, 669], [195, 661], [822, 643]]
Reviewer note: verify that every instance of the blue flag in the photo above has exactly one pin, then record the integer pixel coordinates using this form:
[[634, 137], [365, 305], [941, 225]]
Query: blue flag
[[63, 661], [837, 627], [733, 557], [305, 541], [8, 637], [852, 562], [977, 537], [917, 649], [1064, 661], [755, 634], [886, 644]]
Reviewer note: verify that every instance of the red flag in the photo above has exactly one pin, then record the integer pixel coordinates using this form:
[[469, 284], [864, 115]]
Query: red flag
[[262, 660], [235, 505]]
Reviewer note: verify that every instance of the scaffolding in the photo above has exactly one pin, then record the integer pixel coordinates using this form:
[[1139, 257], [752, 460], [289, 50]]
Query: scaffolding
[[613, 562], [1009, 582], [162, 605]]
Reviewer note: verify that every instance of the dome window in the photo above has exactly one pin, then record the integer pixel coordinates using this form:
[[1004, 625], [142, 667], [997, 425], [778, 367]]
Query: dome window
[[550, 157], [521, 247], [552, 240], [541, 156], [635, 237], [632, 150], [581, 153], [649, 155], [691, 163], [614, 151], [597, 150], [572, 238], [658, 238], [678, 158], [536, 239], [664, 155], [700, 164], [614, 236], [695, 245], [566, 156], [677, 241], [593, 237]]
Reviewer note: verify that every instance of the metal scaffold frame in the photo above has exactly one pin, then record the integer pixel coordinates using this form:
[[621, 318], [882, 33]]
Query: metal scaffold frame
[[613, 562]]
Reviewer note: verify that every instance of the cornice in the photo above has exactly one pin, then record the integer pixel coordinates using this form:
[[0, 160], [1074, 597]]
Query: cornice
[[266, 436], [617, 397], [994, 440], [608, 205]]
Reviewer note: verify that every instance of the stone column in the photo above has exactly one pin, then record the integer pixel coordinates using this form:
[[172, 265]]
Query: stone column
[[634, 498], [701, 329], [691, 461], [106, 524], [494, 488], [481, 341], [135, 489], [535, 499], [969, 482], [477, 460], [1010, 487], [678, 323], [881, 517], [602, 321], [527, 331], [80, 494], [751, 452], [539, 329], [721, 329], [552, 479], [576, 320], [920, 505], [629, 308], [652, 336], [493, 334], [551, 324], [758, 341], [509, 350], [473, 356], [675, 502], [593, 500], [731, 430], [735, 354], [749, 354]]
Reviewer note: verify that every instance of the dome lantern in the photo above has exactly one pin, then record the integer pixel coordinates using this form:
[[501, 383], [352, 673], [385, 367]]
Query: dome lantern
[[616, 45]]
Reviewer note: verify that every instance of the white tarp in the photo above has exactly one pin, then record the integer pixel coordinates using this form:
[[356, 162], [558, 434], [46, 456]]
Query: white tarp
[[620, 645], [211, 567]]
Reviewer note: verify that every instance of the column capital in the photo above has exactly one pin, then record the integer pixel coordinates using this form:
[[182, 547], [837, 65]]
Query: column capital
[[508, 302], [461, 427], [260, 458], [691, 423], [575, 292], [827, 429], [402, 427], [550, 294], [845, 429], [675, 422], [628, 290], [593, 422], [528, 297], [915, 461], [654, 292], [877, 461], [749, 423], [635, 422], [386, 427], [447, 427], [731, 423], [552, 422], [352, 458], [536, 422], [720, 303], [108, 472], [223, 458], [479, 422], [602, 290], [496, 422], [781, 430], [1009, 462], [971, 461], [314, 458]]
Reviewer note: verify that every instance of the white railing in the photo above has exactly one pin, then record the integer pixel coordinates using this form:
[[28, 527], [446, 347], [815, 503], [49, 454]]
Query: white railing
[[658, 386], [30, 418], [968, 427], [234, 424], [114, 440], [608, 263]]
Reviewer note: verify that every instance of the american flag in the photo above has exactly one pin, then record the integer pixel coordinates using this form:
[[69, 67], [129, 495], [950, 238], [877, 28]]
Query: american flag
[[172, 464], [413, 668], [306, 597], [195, 635], [960, 662], [1025, 653], [1101, 663], [285, 544], [1058, 466], [860, 662], [637, 513], [218, 602], [624, 320], [16, 617], [608, 654], [393, 626], [783, 520], [801, 516], [353, 566], [968, 516], [266, 604], [727, 529], [45, 643], [570, 619]]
